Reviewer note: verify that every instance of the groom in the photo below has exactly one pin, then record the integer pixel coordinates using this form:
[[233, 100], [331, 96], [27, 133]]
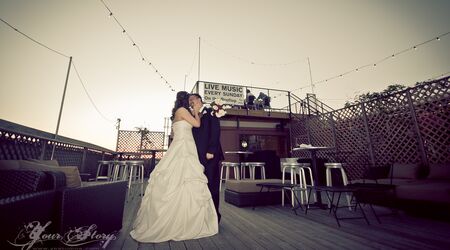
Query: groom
[[207, 140]]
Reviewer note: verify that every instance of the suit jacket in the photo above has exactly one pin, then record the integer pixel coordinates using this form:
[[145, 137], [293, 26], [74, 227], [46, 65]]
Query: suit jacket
[[207, 137]]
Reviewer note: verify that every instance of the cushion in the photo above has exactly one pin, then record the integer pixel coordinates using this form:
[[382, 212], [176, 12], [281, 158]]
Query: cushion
[[405, 170], [439, 171], [9, 165], [249, 186], [46, 162], [73, 178], [17, 182], [425, 190]]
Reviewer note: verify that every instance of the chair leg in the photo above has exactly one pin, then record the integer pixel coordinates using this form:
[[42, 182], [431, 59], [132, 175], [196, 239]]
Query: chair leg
[[282, 191], [221, 177]]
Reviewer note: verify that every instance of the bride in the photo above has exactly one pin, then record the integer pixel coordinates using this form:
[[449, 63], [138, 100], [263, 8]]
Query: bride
[[177, 204]]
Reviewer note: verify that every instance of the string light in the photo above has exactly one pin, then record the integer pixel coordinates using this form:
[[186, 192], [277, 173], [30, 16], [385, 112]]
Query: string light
[[415, 47], [134, 44], [73, 64]]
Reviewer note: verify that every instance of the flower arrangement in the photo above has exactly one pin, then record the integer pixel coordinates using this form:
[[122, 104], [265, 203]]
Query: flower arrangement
[[218, 108]]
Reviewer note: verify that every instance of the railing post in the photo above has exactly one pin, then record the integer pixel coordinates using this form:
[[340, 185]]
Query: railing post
[[368, 138], [423, 153], [43, 149], [289, 102], [83, 160]]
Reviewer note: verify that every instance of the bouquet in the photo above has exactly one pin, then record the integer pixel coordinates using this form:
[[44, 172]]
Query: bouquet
[[218, 108]]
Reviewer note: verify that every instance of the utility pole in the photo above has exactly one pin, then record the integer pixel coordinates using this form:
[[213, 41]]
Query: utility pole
[[310, 76], [61, 109], [199, 43]]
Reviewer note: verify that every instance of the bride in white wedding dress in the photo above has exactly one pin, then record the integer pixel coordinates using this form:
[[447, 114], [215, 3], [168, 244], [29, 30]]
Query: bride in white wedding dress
[[177, 204]]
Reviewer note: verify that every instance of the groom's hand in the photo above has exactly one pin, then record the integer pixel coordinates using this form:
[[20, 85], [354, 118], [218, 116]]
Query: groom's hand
[[209, 156]]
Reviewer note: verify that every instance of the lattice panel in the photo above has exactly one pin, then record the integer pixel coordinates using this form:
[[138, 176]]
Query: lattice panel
[[392, 129], [351, 140], [133, 141], [299, 135], [322, 134], [433, 116]]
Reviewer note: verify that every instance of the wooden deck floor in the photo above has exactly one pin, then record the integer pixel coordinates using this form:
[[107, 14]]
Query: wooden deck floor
[[277, 227]]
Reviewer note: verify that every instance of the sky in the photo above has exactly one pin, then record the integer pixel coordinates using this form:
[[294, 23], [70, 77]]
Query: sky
[[261, 43]]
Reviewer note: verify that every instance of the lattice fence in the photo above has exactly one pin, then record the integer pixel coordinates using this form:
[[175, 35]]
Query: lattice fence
[[135, 141], [411, 126]]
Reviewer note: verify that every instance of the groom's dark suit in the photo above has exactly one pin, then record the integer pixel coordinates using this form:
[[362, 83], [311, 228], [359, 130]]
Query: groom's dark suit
[[207, 140]]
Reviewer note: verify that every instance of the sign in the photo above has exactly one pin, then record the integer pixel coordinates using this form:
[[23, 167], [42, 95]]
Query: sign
[[230, 94]]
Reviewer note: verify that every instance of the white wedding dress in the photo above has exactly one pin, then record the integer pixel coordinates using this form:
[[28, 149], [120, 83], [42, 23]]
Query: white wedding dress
[[177, 204]]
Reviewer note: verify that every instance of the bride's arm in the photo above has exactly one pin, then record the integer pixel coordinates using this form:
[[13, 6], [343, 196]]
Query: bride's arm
[[184, 114]]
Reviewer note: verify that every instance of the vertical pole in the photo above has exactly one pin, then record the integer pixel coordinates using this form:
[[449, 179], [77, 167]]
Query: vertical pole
[[423, 154], [199, 43], [118, 133], [310, 76], [61, 107]]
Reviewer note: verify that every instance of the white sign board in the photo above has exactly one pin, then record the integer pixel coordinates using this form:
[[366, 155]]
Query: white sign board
[[230, 94]]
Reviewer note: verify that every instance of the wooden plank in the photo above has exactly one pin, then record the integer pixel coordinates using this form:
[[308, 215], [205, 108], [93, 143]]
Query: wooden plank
[[207, 243], [276, 227], [177, 245], [192, 244], [162, 246]]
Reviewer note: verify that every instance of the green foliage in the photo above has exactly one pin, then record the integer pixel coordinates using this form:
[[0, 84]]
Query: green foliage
[[374, 95]]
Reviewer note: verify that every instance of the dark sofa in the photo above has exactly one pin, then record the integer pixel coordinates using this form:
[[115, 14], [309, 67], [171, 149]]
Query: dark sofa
[[415, 188], [43, 196]]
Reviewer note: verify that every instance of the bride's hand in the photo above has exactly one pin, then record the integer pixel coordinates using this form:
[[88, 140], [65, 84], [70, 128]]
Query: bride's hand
[[197, 109]]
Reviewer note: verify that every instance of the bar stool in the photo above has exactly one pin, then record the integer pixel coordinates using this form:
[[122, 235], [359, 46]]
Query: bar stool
[[261, 166], [338, 166], [243, 166], [227, 166], [307, 166], [292, 168], [135, 175], [119, 170], [109, 171]]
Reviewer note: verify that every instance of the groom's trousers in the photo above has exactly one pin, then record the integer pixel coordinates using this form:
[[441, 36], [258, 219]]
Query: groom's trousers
[[212, 172]]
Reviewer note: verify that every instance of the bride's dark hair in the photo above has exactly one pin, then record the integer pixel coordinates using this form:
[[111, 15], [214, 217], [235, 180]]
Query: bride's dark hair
[[182, 101]]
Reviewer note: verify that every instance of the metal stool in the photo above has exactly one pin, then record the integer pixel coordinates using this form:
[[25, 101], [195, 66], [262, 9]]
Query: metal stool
[[100, 169], [339, 166], [228, 165], [119, 170], [135, 175], [243, 166], [254, 165], [307, 166], [292, 168]]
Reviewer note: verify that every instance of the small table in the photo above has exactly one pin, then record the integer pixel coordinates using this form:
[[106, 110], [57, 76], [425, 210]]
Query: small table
[[313, 150], [331, 191], [370, 193], [282, 186]]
